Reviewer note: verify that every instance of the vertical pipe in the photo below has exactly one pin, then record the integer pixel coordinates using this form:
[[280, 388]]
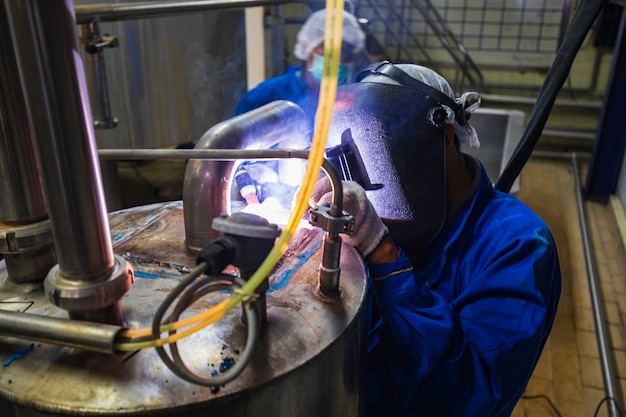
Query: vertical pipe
[[20, 184], [53, 78], [330, 272], [88, 280], [604, 348], [25, 242]]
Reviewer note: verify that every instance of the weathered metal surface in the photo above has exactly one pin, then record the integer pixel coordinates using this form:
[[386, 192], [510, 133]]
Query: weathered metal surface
[[306, 363], [172, 77]]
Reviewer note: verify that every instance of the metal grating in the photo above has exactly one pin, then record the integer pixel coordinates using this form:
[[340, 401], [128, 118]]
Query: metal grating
[[496, 33]]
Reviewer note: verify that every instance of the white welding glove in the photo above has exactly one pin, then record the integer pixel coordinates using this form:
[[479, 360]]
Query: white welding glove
[[369, 230]]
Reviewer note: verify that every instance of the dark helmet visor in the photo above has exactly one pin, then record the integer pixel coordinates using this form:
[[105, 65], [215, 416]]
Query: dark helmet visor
[[400, 135]]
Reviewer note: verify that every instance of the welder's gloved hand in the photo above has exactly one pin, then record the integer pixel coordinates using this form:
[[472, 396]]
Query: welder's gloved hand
[[369, 229]]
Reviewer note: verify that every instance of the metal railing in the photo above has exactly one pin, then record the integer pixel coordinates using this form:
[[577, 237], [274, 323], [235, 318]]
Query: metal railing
[[114, 12], [400, 35]]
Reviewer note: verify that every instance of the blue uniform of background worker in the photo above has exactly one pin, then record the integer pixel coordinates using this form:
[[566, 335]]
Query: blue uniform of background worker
[[465, 279], [300, 85]]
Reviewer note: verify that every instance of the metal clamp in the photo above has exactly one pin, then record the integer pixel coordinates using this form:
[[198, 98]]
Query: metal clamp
[[329, 272], [320, 216], [21, 239]]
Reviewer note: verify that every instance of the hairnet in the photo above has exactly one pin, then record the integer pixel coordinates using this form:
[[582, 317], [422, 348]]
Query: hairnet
[[465, 133], [312, 34]]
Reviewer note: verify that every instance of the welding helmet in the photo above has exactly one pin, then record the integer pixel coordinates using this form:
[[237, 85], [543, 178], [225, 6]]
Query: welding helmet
[[398, 125]]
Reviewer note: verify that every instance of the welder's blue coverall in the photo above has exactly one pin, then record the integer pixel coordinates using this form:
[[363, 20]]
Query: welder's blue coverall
[[288, 86], [462, 330]]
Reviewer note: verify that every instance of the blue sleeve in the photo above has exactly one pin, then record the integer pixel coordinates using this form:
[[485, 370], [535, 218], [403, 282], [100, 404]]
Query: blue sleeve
[[473, 353], [244, 181], [417, 329]]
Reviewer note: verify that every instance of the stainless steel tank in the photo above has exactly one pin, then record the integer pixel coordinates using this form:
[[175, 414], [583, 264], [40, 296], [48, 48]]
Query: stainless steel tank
[[171, 77], [307, 362]]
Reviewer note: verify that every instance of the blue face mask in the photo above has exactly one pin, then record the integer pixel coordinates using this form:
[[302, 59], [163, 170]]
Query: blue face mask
[[317, 69]]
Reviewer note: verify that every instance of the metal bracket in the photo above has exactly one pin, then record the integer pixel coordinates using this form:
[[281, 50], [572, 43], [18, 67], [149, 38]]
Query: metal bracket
[[320, 216], [94, 43], [105, 41]]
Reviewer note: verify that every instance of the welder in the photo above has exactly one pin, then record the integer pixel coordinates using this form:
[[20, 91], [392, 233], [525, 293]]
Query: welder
[[465, 279]]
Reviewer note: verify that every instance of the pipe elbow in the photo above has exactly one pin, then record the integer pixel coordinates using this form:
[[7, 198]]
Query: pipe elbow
[[206, 182]]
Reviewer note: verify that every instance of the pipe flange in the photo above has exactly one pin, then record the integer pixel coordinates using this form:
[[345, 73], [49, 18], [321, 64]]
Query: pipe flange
[[78, 296], [21, 239]]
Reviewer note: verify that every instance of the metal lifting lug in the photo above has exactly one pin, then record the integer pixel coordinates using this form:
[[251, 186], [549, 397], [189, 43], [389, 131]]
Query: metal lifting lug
[[320, 216]]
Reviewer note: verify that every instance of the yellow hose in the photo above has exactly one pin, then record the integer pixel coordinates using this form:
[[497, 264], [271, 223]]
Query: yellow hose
[[211, 314], [328, 92]]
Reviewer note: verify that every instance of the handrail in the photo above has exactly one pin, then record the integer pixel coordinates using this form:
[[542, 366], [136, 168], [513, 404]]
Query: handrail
[[450, 42], [400, 44], [443, 32], [113, 12]]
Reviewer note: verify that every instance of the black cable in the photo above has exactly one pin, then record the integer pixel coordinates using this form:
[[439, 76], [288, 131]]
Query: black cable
[[584, 17], [558, 413], [545, 397], [606, 399]]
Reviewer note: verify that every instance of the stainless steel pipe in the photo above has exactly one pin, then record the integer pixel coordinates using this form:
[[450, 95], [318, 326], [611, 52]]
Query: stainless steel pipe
[[214, 154], [111, 12], [604, 347], [206, 183], [51, 73], [229, 155], [82, 335], [20, 186], [59, 107], [22, 199], [25, 236]]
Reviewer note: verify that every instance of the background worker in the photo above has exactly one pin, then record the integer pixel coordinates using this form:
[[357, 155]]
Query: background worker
[[300, 84]]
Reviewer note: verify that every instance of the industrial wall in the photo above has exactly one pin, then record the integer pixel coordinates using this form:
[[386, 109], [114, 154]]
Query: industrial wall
[[172, 78]]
